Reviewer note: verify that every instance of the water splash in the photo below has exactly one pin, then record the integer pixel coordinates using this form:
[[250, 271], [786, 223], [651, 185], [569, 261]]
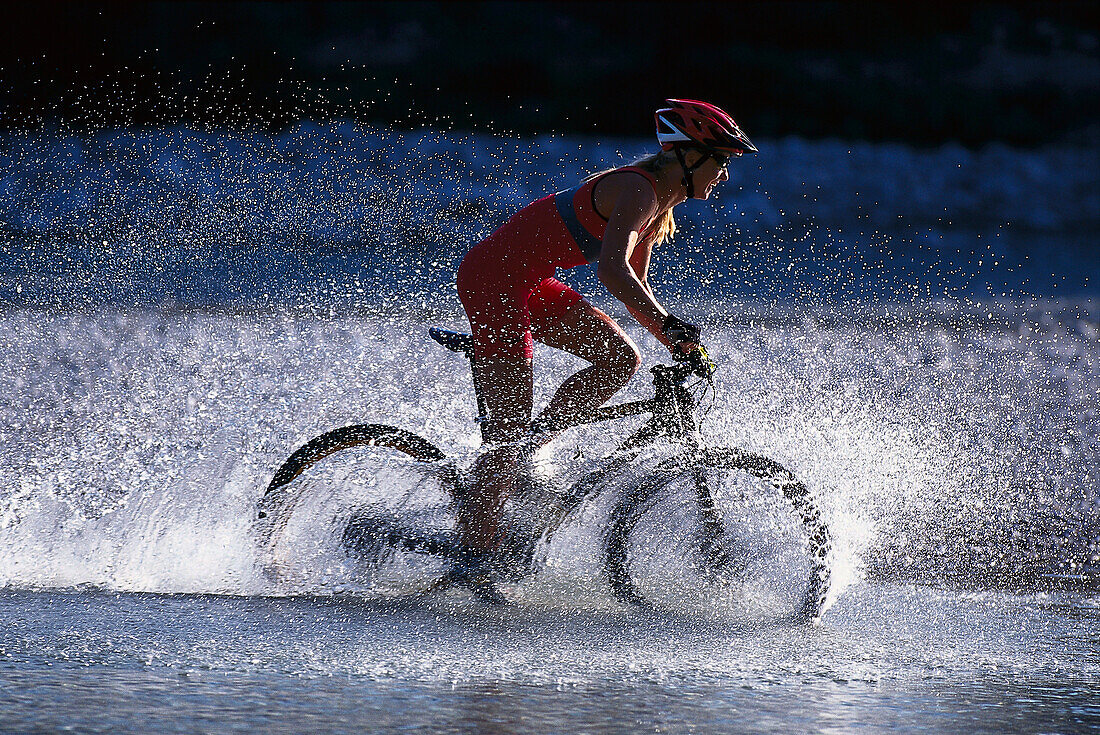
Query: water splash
[[140, 442]]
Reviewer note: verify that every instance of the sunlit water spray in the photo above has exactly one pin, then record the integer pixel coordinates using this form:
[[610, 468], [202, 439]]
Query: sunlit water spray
[[140, 443], [182, 310], [887, 323], [945, 439]]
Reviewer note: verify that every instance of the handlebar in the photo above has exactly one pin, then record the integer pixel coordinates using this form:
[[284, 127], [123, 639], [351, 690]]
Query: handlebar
[[697, 362]]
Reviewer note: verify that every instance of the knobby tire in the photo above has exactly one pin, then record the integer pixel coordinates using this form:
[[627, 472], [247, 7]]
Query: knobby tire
[[280, 496], [639, 498]]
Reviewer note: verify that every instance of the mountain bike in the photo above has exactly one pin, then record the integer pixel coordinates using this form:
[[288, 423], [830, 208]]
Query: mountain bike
[[692, 487]]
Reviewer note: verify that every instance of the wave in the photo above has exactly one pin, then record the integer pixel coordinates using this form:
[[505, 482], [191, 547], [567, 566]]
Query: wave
[[342, 211]]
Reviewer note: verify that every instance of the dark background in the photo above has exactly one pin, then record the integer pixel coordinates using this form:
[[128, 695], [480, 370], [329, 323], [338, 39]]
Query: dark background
[[924, 73]]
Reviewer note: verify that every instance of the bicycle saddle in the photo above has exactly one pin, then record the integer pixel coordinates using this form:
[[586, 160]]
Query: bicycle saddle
[[455, 341]]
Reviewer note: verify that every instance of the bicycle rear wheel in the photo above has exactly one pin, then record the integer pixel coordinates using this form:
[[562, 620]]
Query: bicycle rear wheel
[[717, 521], [392, 472]]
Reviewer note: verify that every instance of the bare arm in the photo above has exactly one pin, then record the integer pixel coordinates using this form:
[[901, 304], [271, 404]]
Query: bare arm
[[623, 254], [639, 263]]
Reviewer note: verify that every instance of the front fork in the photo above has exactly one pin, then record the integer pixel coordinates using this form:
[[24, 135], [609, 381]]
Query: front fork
[[675, 405], [673, 408], [673, 417]]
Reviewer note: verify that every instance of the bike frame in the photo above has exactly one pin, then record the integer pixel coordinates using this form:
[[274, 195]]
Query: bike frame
[[672, 406], [673, 415]]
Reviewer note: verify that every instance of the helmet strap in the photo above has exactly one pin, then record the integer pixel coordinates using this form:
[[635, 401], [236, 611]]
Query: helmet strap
[[689, 171]]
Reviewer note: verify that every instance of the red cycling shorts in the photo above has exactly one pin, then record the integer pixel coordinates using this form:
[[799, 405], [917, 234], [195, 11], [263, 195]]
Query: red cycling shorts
[[502, 318], [507, 285]]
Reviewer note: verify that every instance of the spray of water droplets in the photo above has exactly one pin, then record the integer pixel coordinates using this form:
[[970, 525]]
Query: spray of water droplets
[[184, 306]]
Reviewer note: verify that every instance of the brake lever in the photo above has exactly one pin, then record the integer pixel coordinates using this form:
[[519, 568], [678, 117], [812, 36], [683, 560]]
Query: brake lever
[[701, 364]]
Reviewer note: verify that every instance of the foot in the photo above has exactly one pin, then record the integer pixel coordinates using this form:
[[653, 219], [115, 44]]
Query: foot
[[476, 569]]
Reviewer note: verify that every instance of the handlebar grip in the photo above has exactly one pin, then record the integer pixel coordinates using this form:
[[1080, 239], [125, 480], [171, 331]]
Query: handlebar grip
[[699, 362]]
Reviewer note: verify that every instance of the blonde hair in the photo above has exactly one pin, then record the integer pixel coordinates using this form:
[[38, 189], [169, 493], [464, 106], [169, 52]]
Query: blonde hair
[[664, 227]]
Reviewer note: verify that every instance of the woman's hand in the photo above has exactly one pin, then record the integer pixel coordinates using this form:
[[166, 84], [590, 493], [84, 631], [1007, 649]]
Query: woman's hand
[[700, 362], [684, 337]]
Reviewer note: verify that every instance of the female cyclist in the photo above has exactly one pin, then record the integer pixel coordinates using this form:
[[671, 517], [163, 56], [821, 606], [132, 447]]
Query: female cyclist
[[507, 286]]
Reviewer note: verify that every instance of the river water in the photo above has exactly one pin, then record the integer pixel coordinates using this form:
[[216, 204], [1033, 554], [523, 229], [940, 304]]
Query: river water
[[889, 657], [954, 450]]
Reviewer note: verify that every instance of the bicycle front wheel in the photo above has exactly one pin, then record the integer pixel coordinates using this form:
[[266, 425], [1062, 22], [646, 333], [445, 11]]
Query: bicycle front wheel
[[714, 524]]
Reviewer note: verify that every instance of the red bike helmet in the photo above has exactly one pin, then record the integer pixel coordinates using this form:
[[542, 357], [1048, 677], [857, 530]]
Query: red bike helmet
[[694, 124]]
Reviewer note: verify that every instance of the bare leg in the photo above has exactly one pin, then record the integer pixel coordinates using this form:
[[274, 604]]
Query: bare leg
[[592, 335], [506, 383]]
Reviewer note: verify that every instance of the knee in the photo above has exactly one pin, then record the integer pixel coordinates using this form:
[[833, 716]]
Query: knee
[[623, 361]]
